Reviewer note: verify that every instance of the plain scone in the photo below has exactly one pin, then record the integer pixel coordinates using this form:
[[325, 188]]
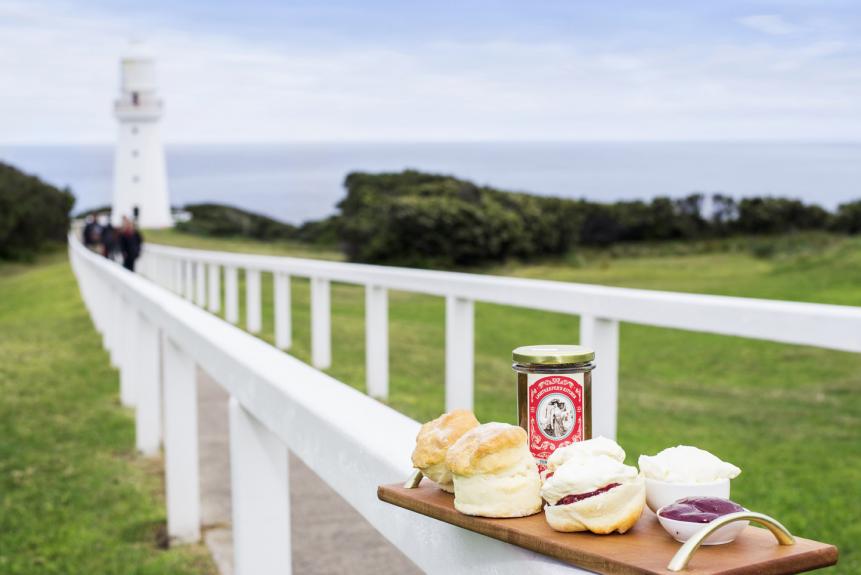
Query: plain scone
[[433, 441], [494, 473]]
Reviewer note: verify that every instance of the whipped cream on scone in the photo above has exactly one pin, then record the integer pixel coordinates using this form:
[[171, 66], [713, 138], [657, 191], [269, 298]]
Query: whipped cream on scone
[[495, 474], [686, 464], [589, 448], [433, 442], [595, 493]]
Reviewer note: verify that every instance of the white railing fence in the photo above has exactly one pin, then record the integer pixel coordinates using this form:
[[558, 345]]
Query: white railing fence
[[158, 340], [600, 309], [352, 442]]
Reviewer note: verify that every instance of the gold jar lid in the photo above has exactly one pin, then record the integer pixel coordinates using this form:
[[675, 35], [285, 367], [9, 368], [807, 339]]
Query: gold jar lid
[[553, 354]]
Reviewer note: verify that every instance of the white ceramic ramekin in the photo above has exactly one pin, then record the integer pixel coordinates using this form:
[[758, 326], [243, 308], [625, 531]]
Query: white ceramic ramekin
[[683, 530], [660, 493]]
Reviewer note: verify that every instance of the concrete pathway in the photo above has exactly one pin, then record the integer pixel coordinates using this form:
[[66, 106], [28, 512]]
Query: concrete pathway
[[328, 536]]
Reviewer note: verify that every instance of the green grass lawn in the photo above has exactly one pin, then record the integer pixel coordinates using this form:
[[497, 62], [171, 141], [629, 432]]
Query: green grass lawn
[[789, 416], [74, 496]]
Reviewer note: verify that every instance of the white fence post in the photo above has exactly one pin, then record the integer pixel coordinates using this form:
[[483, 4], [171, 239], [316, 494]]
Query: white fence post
[[103, 307], [147, 376], [147, 266], [182, 475], [231, 294], [153, 266], [283, 321], [214, 283], [377, 341], [90, 291], [321, 324], [602, 335], [111, 321], [127, 329], [178, 277], [141, 265], [188, 281], [259, 486], [252, 301], [183, 279], [169, 273], [158, 269], [200, 284], [459, 353]]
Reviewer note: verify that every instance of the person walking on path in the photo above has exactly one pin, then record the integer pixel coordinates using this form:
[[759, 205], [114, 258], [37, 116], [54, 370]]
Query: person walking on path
[[109, 238], [92, 233], [130, 243]]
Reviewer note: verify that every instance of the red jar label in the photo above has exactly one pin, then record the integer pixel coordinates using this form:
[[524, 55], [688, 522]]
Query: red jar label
[[555, 413]]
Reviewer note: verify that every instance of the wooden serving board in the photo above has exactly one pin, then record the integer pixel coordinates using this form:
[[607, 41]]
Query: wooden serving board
[[646, 548]]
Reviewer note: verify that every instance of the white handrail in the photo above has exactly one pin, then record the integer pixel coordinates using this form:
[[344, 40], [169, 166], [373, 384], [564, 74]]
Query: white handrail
[[601, 309], [822, 325], [351, 441]]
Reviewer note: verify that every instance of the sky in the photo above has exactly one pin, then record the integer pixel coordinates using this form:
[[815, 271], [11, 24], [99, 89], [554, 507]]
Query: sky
[[471, 70]]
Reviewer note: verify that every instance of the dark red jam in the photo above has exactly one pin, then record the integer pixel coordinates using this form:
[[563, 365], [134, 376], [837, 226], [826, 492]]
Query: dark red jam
[[700, 509], [574, 498]]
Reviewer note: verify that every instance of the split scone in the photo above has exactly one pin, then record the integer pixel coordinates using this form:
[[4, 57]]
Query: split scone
[[579, 449], [598, 494], [433, 441], [494, 473]]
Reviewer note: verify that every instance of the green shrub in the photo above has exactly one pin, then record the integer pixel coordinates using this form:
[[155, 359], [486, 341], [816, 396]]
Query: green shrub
[[419, 219], [98, 210], [221, 220], [848, 218], [425, 219], [33, 214], [762, 215], [323, 232], [411, 218]]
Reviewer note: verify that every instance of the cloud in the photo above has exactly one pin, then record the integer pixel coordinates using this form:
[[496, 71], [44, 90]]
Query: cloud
[[60, 76], [771, 24]]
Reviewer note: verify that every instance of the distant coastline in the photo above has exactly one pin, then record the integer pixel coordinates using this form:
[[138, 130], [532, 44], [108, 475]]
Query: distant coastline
[[299, 182]]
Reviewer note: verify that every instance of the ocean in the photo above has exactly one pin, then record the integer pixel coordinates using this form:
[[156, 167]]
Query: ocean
[[298, 182]]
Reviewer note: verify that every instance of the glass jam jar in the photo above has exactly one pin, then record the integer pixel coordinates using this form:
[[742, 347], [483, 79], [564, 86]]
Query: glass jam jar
[[554, 396]]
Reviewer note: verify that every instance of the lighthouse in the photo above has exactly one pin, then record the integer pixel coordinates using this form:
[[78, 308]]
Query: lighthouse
[[140, 177]]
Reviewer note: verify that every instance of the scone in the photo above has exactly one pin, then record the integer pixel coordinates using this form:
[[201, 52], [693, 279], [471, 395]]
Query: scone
[[598, 494], [433, 441], [494, 473], [589, 448]]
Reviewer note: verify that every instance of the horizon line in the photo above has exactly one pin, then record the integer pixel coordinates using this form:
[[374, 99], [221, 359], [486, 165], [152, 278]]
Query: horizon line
[[100, 143]]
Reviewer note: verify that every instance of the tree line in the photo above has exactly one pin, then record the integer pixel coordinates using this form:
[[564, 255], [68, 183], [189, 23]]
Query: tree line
[[415, 218], [421, 219], [33, 214]]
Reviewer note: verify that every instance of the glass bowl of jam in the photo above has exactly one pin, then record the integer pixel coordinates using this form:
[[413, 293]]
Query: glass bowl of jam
[[684, 518]]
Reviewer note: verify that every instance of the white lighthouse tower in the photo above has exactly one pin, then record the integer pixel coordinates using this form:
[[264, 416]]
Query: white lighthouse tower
[[140, 178]]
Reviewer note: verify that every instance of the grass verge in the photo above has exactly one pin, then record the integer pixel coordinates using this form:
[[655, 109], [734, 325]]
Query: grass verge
[[74, 496]]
